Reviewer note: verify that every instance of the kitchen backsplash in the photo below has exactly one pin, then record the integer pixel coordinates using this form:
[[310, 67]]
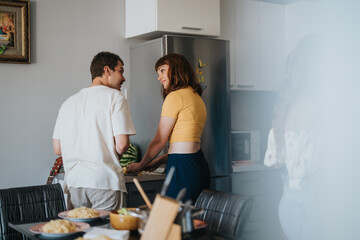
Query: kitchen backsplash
[[252, 111]]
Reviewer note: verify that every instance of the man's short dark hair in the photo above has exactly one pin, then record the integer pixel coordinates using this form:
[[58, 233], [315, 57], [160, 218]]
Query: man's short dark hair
[[101, 60]]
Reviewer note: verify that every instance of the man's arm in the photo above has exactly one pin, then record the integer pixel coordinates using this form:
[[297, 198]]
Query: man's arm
[[121, 143], [57, 146]]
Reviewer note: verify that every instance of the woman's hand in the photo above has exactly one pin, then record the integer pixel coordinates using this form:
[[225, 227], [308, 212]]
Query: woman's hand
[[154, 164], [134, 167], [166, 125]]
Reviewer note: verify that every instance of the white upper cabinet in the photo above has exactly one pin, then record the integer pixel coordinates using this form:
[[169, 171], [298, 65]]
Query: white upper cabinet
[[259, 45], [153, 18], [247, 44]]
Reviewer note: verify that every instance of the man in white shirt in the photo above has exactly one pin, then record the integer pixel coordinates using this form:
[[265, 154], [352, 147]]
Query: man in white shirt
[[91, 133]]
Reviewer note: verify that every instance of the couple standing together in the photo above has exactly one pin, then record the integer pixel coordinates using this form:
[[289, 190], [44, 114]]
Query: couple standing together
[[93, 127]]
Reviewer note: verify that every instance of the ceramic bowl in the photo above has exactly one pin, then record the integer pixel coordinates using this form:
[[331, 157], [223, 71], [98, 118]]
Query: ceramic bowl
[[123, 222]]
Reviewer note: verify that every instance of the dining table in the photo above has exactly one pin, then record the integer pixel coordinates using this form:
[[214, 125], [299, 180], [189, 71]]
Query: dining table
[[24, 228]]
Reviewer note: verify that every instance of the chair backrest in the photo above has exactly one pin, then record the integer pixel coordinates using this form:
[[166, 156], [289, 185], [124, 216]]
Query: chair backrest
[[24, 204], [225, 213]]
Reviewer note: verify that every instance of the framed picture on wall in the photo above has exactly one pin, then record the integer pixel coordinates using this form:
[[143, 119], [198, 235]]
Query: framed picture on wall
[[14, 31]]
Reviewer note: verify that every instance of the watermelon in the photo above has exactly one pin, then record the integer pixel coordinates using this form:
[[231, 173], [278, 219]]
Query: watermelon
[[130, 156]]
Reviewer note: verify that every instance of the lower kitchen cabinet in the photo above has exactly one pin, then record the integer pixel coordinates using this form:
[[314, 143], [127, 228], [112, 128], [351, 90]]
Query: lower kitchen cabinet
[[265, 187], [151, 188], [151, 184]]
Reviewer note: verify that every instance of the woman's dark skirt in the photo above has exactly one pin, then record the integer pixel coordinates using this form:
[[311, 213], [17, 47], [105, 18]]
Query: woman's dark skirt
[[191, 171]]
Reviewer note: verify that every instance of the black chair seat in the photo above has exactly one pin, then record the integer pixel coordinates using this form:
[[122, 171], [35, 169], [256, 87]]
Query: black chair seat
[[25, 204], [225, 213]]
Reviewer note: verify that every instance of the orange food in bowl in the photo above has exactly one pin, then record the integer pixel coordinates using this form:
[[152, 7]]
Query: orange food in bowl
[[123, 222]]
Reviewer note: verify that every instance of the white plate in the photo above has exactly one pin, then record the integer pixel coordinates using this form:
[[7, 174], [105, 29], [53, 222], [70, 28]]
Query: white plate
[[80, 227], [103, 213]]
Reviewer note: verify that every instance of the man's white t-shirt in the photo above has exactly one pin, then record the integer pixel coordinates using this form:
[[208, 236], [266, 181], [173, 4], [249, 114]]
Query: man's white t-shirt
[[86, 126]]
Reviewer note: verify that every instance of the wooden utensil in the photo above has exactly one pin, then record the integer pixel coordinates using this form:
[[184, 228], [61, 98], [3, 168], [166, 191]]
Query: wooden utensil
[[160, 224], [143, 194]]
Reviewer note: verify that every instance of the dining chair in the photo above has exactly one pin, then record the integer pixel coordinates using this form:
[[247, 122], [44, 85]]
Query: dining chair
[[28, 204], [225, 213]]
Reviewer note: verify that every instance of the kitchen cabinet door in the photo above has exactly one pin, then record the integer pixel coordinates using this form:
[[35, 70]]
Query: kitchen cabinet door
[[265, 187], [247, 42], [259, 43], [272, 46], [151, 188], [153, 18]]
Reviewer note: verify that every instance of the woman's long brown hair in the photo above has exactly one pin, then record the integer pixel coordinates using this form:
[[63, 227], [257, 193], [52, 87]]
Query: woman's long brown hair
[[180, 73]]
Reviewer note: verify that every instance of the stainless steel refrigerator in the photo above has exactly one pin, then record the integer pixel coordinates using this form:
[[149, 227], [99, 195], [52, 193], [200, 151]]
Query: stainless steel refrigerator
[[210, 60]]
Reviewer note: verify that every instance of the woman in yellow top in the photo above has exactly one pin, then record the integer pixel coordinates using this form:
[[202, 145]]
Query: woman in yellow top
[[182, 122]]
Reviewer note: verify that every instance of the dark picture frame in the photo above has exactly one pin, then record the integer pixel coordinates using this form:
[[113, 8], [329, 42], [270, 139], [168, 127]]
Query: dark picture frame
[[14, 31]]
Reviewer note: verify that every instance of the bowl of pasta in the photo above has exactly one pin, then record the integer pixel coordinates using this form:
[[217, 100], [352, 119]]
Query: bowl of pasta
[[124, 219], [59, 228], [83, 214]]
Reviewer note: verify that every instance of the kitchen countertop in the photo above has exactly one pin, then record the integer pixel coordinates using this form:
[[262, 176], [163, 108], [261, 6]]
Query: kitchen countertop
[[147, 176], [144, 177], [247, 166]]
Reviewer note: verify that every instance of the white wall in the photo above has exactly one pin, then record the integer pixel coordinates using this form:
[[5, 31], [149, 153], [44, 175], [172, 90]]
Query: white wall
[[65, 35]]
